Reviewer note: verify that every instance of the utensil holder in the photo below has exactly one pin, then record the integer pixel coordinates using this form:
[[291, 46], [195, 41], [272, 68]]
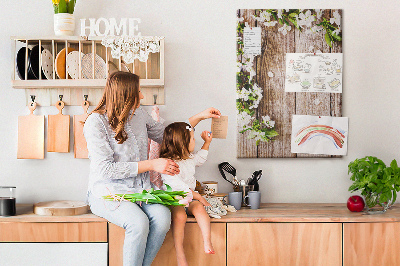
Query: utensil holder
[[245, 191]]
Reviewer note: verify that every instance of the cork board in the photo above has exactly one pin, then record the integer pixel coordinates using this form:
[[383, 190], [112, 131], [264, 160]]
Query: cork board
[[264, 109]]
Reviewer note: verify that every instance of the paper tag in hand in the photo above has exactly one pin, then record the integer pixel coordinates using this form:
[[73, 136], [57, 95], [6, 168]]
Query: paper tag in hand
[[219, 127]]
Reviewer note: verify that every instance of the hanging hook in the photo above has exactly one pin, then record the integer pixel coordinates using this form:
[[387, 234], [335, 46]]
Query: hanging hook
[[33, 98], [155, 98], [85, 97], [60, 97]]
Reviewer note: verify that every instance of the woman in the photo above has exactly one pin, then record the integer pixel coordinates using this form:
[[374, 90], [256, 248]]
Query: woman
[[116, 133]]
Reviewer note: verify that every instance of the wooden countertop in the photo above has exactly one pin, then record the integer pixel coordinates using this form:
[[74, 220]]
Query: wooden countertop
[[268, 212], [25, 214], [307, 213]]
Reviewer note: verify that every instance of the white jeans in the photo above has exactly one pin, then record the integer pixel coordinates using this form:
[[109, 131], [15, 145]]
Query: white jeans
[[145, 227]]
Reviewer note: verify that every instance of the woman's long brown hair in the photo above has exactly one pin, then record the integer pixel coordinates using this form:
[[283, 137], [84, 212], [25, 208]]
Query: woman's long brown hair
[[120, 95], [175, 144]]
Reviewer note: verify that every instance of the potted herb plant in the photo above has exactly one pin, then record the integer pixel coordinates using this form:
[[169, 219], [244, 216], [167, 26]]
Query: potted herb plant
[[377, 182], [64, 21]]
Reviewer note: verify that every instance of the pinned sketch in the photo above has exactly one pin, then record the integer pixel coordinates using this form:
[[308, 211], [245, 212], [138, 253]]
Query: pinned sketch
[[319, 134], [314, 72]]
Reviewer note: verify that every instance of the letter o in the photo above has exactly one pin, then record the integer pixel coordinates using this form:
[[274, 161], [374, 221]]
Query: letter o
[[106, 27]]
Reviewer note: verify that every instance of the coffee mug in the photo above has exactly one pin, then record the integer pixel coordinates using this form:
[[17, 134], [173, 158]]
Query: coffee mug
[[235, 199], [254, 199]]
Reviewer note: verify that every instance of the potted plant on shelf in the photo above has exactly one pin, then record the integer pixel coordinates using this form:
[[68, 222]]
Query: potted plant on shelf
[[64, 22], [377, 182]]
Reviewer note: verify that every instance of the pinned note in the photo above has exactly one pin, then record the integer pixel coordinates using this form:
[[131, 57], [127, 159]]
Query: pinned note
[[219, 127], [252, 40]]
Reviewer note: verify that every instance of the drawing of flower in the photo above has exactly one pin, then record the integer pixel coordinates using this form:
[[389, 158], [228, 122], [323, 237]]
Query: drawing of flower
[[270, 23], [284, 29], [265, 16], [337, 31], [279, 13], [319, 13], [336, 18], [243, 120], [306, 19]]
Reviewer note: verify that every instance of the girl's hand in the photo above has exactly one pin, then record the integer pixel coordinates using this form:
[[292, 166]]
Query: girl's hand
[[205, 203], [165, 166], [206, 136], [210, 113]]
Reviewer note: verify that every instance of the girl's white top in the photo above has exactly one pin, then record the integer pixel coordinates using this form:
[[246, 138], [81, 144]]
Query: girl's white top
[[113, 166], [185, 180]]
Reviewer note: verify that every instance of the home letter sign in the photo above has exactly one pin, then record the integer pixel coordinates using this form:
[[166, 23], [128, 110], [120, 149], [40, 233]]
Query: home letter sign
[[110, 27]]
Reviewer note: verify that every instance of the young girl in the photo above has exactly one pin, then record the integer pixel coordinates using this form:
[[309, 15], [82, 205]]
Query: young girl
[[178, 144]]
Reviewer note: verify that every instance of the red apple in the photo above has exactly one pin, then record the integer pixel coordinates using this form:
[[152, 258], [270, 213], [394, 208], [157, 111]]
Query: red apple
[[355, 204]]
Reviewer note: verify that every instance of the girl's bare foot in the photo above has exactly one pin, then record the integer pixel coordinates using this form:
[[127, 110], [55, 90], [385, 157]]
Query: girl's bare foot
[[182, 261], [209, 249]]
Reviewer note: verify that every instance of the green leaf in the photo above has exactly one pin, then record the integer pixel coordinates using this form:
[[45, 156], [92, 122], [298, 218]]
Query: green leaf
[[336, 37], [328, 39], [71, 6], [62, 7], [168, 187], [393, 165]]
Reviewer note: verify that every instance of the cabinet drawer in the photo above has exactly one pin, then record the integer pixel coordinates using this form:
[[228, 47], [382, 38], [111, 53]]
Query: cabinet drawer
[[53, 232], [284, 244], [371, 244]]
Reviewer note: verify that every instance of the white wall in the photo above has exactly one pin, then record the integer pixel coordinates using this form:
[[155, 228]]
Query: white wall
[[200, 72]]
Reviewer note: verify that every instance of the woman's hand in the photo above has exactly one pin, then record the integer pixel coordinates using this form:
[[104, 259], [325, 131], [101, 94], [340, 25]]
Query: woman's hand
[[208, 113], [165, 166]]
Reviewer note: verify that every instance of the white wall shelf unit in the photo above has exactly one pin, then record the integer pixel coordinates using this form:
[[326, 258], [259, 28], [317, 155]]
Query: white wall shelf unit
[[60, 75]]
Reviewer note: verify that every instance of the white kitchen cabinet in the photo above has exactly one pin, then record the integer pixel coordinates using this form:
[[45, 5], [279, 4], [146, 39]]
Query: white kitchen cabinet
[[60, 254]]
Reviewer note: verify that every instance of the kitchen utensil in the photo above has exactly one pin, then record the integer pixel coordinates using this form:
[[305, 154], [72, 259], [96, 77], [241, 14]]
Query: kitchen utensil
[[245, 190], [60, 208], [254, 179], [80, 149], [73, 64], [31, 135], [253, 198], [47, 63], [230, 169], [58, 131], [20, 60], [61, 63], [36, 53], [235, 199], [7, 201], [99, 67]]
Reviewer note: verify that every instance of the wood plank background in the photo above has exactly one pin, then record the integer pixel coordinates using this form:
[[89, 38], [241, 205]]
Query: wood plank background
[[277, 103]]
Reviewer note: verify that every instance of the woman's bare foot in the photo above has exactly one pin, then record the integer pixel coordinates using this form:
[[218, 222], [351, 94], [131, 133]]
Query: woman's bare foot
[[209, 249]]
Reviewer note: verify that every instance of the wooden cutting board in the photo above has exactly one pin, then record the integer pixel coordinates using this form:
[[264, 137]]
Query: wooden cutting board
[[60, 208], [31, 135], [80, 149], [61, 63], [58, 131]]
